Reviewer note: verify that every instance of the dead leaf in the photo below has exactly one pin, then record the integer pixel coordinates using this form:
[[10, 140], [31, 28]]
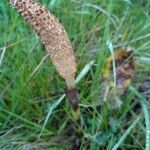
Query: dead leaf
[[124, 67]]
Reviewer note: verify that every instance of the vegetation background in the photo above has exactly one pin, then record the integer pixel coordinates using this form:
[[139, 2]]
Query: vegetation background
[[34, 113]]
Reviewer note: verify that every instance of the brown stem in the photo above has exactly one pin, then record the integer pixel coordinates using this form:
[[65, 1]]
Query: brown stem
[[72, 95]]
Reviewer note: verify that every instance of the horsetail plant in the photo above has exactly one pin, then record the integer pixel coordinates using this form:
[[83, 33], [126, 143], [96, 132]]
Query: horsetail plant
[[55, 40]]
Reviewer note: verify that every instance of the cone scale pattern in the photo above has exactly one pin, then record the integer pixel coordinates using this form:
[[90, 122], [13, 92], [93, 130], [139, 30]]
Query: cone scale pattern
[[55, 40]]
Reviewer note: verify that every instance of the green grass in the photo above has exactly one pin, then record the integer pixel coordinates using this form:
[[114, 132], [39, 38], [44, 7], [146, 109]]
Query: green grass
[[33, 110]]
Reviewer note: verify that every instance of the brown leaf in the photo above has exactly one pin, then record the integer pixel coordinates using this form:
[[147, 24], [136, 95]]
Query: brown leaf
[[124, 64]]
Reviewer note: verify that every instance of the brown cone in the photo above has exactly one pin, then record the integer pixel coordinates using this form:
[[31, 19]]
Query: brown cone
[[55, 40]]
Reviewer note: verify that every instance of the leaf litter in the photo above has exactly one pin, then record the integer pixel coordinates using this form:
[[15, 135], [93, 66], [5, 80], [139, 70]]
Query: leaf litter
[[111, 90]]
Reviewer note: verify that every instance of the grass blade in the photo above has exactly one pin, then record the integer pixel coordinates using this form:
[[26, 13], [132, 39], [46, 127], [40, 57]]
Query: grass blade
[[110, 46], [146, 115], [24, 120], [57, 103], [117, 145], [2, 55], [53, 106], [111, 17], [84, 71]]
